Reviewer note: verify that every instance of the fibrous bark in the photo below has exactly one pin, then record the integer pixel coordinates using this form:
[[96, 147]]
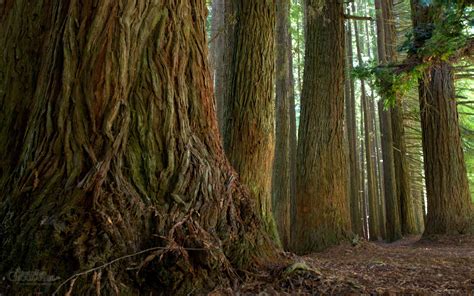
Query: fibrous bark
[[109, 145], [402, 173], [450, 210], [222, 46], [322, 214], [249, 133], [281, 187], [369, 136], [449, 203], [392, 206], [357, 219]]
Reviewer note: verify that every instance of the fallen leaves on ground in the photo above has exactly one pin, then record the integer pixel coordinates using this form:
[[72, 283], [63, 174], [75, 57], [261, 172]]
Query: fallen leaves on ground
[[441, 266]]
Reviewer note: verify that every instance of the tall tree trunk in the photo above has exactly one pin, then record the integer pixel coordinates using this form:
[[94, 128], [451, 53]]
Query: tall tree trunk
[[322, 217], [351, 126], [393, 227], [450, 210], [293, 142], [363, 189], [249, 138], [449, 204], [222, 48], [281, 188], [372, 52], [301, 25], [374, 230], [402, 173], [110, 146], [382, 217]]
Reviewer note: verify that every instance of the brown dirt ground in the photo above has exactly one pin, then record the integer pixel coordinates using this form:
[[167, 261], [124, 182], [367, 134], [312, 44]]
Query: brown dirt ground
[[441, 266]]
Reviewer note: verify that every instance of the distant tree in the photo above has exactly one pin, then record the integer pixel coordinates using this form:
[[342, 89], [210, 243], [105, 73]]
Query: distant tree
[[369, 140], [322, 213], [392, 207], [402, 169], [356, 201], [281, 187]]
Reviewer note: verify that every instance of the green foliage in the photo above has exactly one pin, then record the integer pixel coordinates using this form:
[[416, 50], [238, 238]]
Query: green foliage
[[388, 83], [442, 39], [465, 93], [451, 31]]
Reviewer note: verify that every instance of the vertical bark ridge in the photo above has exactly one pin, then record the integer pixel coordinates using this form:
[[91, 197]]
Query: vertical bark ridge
[[249, 135], [322, 217]]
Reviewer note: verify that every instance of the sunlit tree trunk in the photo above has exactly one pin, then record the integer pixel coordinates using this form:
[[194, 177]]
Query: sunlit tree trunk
[[293, 141], [392, 207], [402, 173], [369, 134], [351, 126], [110, 145]]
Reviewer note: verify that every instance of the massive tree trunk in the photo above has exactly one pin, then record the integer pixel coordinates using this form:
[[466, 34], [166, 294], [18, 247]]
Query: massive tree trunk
[[449, 203], [249, 115], [281, 187], [450, 210], [322, 217], [109, 145], [351, 126]]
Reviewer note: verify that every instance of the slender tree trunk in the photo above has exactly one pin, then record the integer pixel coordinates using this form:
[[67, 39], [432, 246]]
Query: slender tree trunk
[[363, 189], [281, 188], [249, 134], [372, 52], [293, 144], [351, 126], [322, 217], [222, 48], [407, 213], [450, 210], [393, 227], [402, 172], [110, 146], [382, 217], [374, 229], [217, 24]]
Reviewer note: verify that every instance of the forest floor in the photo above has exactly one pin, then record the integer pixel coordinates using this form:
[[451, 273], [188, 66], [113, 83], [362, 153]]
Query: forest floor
[[442, 266]]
